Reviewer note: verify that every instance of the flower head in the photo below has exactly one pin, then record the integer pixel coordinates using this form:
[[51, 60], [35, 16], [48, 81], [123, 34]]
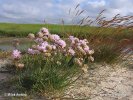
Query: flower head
[[38, 40], [61, 43], [44, 31], [42, 46], [83, 42], [71, 51], [16, 54], [86, 49], [31, 51], [54, 37]]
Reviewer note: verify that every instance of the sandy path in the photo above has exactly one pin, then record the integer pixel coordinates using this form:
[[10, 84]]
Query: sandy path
[[106, 82]]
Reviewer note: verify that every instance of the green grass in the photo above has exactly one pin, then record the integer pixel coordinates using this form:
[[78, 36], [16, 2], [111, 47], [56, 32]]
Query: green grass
[[22, 30], [45, 76], [106, 53]]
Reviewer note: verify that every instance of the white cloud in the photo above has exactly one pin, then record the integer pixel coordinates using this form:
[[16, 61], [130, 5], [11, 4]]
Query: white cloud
[[38, 10], [19, 11], [97, 4]]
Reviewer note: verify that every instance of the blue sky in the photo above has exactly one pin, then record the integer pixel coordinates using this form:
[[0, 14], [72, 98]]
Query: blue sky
[[35, 11]]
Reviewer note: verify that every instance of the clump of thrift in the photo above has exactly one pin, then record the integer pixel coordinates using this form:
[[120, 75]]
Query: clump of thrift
[[50, 44]]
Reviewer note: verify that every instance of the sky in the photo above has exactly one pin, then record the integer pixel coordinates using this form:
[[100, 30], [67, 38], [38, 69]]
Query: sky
[[53, 11]]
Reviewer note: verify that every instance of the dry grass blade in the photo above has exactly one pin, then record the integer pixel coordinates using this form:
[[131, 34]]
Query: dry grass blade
[[77, 6], [77, 13], [99, 15], [81, 12], [69, 11]]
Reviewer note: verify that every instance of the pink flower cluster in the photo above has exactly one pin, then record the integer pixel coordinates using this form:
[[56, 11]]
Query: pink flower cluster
[[49, 44], [46, 43], [79, 45]]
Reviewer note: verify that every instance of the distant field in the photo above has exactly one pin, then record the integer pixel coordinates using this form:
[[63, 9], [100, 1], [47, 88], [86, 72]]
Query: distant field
[[22, 30]]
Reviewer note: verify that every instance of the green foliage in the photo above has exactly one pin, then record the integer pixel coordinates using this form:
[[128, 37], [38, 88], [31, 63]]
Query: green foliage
[[46, 75], [22, 30], [106, 53]]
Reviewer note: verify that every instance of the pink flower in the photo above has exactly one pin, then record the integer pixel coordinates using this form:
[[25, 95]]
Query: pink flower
[[71, 51], [16, 54], [71, 37], [42, 46], [86, 49], [39, 40], [31, 51], [82, 42], [61, 43], [54, 37], [45, 31]]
